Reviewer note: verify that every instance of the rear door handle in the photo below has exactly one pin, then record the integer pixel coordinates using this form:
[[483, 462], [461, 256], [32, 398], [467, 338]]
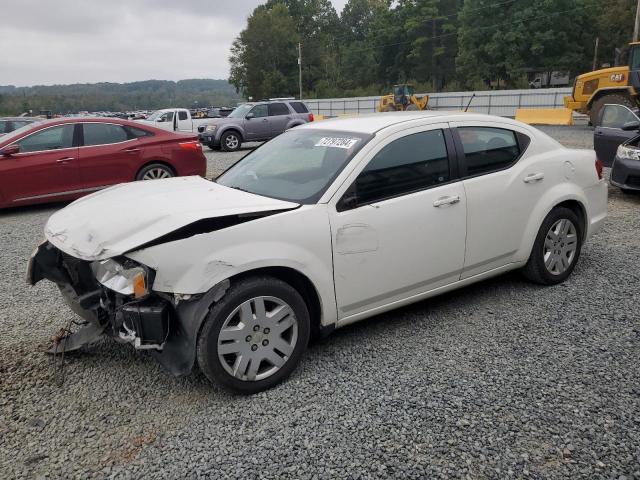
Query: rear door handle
[[131, 150], [64, 159], [533, 177], [442, 201]]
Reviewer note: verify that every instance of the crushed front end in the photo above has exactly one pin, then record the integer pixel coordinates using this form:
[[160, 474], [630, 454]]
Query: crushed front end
[[111, 296]]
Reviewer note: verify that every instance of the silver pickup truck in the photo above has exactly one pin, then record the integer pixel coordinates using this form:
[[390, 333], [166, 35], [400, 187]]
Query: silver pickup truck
[[253, 122]]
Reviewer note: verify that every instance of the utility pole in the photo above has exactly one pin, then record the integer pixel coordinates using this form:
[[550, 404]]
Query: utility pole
[[637, 25], [595, 53], [300, 65]]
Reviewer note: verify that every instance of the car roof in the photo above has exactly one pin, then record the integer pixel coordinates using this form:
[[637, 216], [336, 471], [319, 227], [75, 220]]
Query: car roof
[[63, 120], [29, 119], [371, 123]]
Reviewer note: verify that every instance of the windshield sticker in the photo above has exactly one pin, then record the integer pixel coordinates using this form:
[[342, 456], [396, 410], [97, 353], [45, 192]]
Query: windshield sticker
[[337, 142]]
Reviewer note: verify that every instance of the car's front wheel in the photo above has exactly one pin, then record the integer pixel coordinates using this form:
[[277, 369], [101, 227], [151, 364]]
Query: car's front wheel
[[556, 249], [254, 336], [230, 141]]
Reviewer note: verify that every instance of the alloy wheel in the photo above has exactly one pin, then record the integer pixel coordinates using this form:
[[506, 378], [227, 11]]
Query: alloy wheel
[[156, 174], [231, 142], [257, 338]]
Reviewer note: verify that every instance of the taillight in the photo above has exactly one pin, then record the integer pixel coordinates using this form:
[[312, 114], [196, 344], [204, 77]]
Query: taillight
[[311, 117], [191, 146], [599, 166]]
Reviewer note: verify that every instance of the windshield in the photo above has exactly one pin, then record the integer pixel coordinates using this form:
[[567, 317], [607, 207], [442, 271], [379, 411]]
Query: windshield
[[297, 166], [241, 111], [18, 132]]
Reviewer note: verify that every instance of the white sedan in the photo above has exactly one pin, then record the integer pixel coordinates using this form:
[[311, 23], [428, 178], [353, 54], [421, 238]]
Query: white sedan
[[330, 223]]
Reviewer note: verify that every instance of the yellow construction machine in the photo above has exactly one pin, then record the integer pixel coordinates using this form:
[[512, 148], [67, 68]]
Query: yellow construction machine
[[402, 98], [618, 85]]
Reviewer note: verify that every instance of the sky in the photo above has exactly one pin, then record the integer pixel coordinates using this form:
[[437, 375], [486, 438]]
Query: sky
[[46, 42]]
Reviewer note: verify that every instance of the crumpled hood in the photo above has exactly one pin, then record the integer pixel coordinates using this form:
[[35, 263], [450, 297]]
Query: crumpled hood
[[121, 218]]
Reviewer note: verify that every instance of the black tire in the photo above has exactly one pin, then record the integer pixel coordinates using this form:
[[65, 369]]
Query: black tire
[[230, 141], [535, 269], [238, 293], [153, 169], [212, 146], [628, 191], [613, 98]]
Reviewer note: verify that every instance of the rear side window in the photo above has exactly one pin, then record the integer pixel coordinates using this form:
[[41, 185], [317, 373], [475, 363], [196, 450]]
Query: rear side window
[[5, 127], [15, 124], [488, 149], [615, 116], [182, 115], [299, 107], [103, 134], [137, 132], [53, 138], [406, 165], [278, 109]]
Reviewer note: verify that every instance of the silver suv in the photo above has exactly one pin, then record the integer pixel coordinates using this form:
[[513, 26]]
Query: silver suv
[[254, 122]]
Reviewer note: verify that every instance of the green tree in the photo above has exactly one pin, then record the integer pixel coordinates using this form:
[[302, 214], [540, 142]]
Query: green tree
[[264, 56]]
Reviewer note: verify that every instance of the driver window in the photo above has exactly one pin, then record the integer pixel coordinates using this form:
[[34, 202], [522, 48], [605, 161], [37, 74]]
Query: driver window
[[260, 111], [167, 117], [53, 138], [615, 116], [406, 165]]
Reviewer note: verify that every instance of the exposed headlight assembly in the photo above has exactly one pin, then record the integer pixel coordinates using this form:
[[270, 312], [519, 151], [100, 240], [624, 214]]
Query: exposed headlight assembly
[[628, 153], [116, 277], [211, 128]]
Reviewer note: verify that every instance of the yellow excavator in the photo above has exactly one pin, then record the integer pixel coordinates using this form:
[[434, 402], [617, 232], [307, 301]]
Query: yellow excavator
[[402, 98], [618, 85]]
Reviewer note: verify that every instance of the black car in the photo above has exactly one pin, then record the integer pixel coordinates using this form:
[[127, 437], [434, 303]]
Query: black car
[[617, 145], [9, 124]]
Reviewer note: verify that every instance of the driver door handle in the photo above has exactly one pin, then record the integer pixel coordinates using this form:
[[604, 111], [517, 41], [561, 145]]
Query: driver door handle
[[64, 159], [131, 150], [442, 201], [533, 177]]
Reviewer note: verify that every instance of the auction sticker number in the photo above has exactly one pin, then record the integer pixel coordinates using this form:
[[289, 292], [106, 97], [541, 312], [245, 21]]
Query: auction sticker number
[[337, 142]]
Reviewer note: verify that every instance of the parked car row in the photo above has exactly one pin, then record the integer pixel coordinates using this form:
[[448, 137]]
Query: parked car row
[[63, 159]]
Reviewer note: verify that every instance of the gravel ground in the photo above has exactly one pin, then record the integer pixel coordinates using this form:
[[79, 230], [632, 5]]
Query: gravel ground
[[497, 380]]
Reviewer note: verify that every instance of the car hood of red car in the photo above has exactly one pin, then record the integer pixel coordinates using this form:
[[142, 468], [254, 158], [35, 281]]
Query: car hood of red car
[[125, 217]]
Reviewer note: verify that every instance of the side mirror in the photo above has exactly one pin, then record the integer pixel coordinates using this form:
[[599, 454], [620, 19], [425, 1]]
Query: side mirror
[[250, 115], [10, 150], [630, 126]]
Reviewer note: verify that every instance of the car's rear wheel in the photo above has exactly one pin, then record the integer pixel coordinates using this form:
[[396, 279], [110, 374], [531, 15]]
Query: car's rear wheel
[[230, 141], [556, 249], [253, 338], [155, 171]]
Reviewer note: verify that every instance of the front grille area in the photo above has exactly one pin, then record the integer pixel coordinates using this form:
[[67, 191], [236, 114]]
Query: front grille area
[[633, 181]]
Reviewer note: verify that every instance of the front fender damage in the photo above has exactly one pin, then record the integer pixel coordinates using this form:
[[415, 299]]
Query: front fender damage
[[166, 325]]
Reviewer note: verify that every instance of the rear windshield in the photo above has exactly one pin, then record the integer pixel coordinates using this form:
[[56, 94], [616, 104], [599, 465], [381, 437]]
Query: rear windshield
[[297, 166], [299, 107], [18, 132]]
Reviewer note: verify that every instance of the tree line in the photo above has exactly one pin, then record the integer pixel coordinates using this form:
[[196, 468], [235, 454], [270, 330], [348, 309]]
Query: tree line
[[117, 97], [438, 45]]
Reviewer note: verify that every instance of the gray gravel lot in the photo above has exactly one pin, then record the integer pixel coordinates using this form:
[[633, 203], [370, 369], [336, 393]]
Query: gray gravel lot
[[501, 379]]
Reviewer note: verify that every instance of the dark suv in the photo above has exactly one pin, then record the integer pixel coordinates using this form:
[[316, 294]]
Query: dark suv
[[254, 122]]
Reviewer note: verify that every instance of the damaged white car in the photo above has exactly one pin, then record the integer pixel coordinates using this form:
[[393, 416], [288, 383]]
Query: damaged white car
[[330, 223]]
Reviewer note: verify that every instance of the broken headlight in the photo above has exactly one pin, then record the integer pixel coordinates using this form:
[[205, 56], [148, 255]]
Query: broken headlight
[[117, 277]]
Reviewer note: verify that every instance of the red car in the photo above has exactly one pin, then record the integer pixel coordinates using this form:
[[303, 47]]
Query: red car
[[63, 159]]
